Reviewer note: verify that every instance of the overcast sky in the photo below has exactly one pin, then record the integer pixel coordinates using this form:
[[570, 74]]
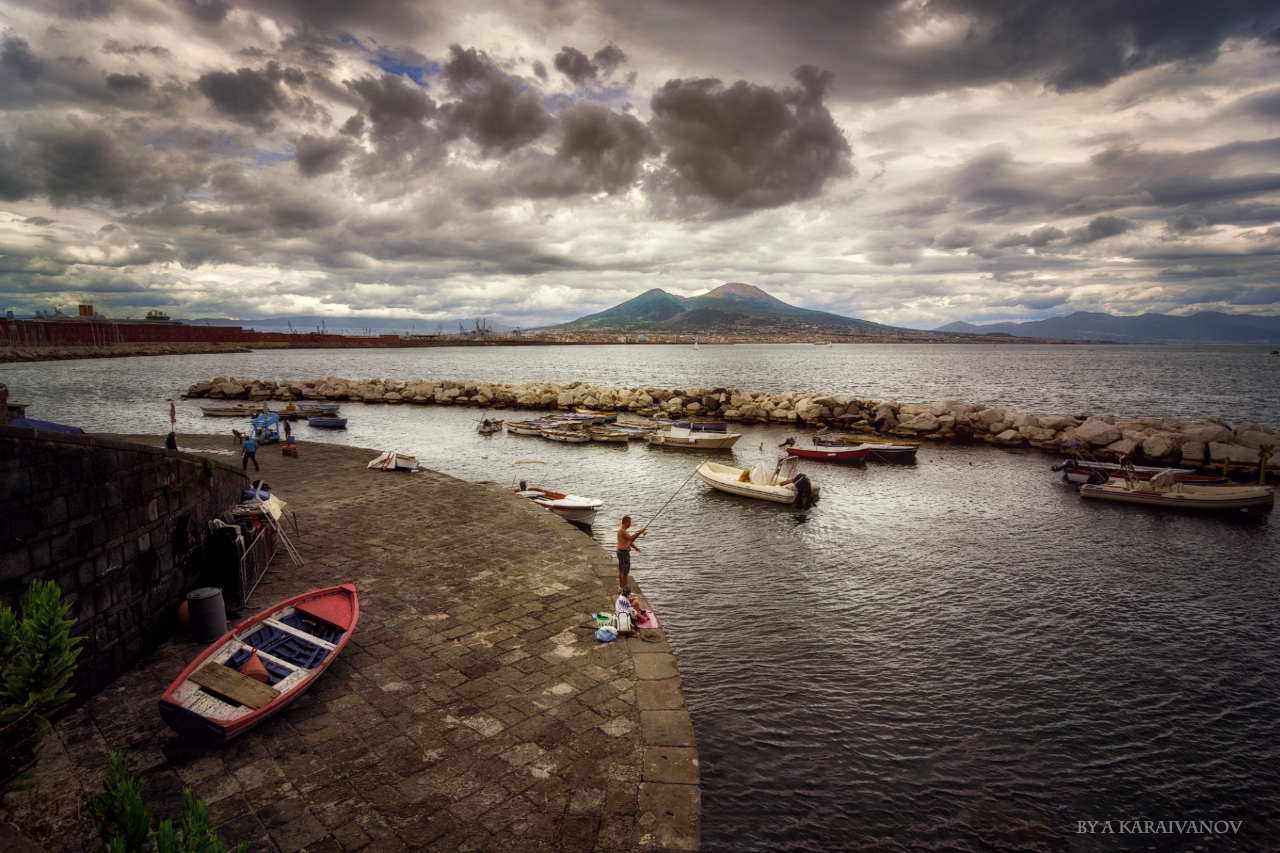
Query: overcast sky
[[532, 161]]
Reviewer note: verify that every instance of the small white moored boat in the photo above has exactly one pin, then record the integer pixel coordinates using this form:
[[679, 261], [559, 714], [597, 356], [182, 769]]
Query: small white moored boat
[[695, 439], [568, 436], [1164, 490], [783, 485], [572, 508]]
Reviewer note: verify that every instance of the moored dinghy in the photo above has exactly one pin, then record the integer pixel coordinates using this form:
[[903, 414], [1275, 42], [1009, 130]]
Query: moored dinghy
[[572, 508], [783, 485], [691, 439], [261, 666], [1164, 490]]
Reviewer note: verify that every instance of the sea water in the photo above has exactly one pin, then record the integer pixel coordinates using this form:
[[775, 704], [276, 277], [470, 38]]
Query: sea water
[[956, 655]]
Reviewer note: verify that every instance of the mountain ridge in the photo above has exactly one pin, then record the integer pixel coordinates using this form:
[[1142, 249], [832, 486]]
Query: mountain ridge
[[1204, 327], [731, 304]]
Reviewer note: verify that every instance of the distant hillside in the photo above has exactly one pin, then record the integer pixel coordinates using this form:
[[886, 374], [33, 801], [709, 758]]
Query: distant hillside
[[732, 304], [381, 325], [1207, 327]]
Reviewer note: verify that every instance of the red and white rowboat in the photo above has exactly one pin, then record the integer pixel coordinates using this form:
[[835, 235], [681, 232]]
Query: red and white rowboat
[[260, 666]]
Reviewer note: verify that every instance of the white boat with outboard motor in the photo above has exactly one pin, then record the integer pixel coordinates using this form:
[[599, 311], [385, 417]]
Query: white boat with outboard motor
[[783, 485], [1165, 490], [574, 509], [692, 439]]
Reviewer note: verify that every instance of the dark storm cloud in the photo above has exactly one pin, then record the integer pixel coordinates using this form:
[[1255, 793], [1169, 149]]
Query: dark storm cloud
[[246, 95], [18, 60], [1038, 238], [394, 106], [575, 65], [1067, 45], [1187, 223], [74, 161], [493, 109], [749, 146], [389, 17], [125, 84], [114, 47], [607, 147], [207, 11], [539, 70], [316, 155], [608, 58], [1100, 228]]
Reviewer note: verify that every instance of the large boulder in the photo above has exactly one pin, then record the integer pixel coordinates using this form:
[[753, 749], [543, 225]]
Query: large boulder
[[1096, 432], [1056, 422], [885, 416], [1257, 438], [989, 417], [1237, 453], [1163, 446], [1193, 453], [675, 404], [1123, 447], [1206, 433], [231, 389], [922, 422], [1009, 436]]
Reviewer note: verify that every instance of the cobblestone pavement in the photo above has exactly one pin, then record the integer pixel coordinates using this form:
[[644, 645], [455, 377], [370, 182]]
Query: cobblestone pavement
[[470, 711]]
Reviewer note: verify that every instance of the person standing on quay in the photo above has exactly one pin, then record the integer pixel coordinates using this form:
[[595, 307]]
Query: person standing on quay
[[250, 454], [626, 544]]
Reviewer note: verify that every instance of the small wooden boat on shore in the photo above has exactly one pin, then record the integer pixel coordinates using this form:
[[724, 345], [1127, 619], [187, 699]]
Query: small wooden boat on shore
[[684, 437], [326, 422], [260, 666], [572, 508], [298, 411], [1164, 492], [783, 485], [565, 435], [392, 461]]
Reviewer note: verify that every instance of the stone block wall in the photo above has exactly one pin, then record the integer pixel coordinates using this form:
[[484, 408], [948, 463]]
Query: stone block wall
[[107, 520]]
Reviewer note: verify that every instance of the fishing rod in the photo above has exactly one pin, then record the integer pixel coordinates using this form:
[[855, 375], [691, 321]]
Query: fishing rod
[[670, 499]]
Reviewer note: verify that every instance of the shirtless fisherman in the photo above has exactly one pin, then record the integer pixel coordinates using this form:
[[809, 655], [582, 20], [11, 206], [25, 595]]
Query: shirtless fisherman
[[626, 544]]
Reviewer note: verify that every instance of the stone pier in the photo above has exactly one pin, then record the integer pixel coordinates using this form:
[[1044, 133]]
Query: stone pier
[[471, 710]]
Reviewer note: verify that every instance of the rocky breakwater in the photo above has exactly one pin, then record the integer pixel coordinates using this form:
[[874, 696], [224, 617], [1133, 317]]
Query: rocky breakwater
[[1165, 441]]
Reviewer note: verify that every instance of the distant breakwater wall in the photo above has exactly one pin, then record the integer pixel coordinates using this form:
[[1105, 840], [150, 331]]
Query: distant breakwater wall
[[17, 355], [1154, 440]]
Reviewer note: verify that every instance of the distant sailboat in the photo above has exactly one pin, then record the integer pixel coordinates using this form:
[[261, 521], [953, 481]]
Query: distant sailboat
[[695, 343]]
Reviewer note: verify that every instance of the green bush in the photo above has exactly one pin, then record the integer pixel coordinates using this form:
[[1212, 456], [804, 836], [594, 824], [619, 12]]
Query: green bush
[[124, 823], [37, 659]]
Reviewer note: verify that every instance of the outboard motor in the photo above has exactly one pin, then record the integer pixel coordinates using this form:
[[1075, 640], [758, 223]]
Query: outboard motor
[[790, 442], [804, 491], [524, 487]]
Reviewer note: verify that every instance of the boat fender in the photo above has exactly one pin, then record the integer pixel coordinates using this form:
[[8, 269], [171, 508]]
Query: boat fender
[[804, 491]]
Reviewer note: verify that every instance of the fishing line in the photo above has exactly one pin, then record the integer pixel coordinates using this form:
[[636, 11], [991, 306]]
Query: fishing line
[[682, 485]]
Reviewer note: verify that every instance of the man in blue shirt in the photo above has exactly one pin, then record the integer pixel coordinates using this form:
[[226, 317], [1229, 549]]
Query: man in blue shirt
[[250, 454]]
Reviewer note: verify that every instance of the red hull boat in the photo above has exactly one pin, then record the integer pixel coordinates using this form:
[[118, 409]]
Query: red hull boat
[[261, 666]]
